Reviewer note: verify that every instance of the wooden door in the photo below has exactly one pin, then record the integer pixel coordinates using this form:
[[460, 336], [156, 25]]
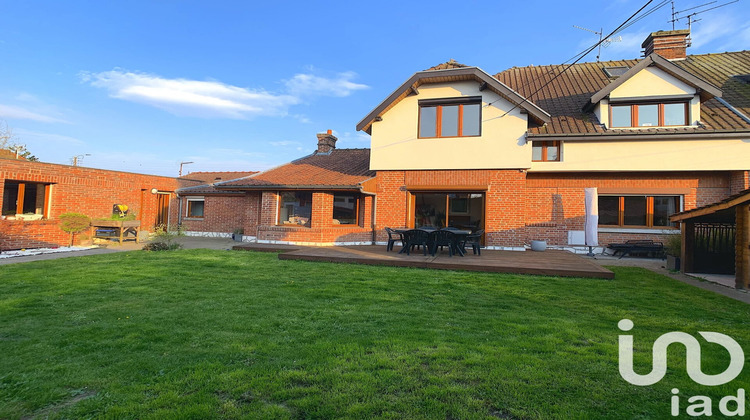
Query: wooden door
[[162, 209]]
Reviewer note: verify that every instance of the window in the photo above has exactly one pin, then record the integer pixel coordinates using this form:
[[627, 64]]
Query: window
[[638, 210], [649, 115], [195, 208], [25, 200], [346, 208], [545, 151], [295, 208], [460, 117]]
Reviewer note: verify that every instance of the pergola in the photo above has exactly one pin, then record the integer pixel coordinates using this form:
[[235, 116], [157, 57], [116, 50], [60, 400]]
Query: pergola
[[716, 238]]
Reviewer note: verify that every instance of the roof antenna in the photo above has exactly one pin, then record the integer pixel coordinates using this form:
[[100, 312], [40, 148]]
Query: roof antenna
[[604, 43], [690, 17]]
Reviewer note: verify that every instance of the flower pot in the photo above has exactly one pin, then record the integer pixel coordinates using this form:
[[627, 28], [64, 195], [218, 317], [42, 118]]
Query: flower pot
[[673, 263], [538, 245], [237, 237]]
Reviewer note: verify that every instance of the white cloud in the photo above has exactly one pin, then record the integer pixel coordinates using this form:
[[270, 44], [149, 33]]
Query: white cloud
[[208, 99], [308, 84], [214, 99], [40, 139], [11, 112], [285, 143]]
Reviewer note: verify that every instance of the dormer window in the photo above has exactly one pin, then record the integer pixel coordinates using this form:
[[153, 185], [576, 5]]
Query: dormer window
[[651, 114], [455, 117]]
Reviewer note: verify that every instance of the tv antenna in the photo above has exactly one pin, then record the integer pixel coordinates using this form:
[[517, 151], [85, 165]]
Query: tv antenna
[[691, 16], [602, 42]]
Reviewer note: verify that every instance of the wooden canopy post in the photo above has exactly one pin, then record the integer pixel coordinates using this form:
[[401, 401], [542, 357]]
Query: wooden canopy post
[[688, 246], [742, 247]]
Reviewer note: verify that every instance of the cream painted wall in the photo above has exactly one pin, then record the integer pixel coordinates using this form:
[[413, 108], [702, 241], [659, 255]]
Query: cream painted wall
[[652, 81], [665, 155], [395, 145]]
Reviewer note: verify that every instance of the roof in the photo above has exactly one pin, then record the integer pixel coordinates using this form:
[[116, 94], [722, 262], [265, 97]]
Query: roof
[[211, 177], [340, 169], [714, 212], [566, 96], [452, 72]]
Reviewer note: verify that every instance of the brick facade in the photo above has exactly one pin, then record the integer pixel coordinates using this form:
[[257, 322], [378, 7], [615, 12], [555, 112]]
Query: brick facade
[[224, 213], [90, 191]]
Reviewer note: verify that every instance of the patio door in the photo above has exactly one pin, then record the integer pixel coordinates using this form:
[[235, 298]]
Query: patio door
[[162, 209], [463, 210]]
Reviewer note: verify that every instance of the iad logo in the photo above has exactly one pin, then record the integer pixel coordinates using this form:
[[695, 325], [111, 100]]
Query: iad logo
[[702, 404]]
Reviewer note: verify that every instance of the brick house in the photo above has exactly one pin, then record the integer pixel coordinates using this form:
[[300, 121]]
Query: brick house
[[512, 154], [325, 198], [35, 194]]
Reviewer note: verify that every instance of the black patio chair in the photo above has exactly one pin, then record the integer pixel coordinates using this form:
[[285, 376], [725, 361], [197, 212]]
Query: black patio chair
[[441, 238], [475, 240], [412, 238], [393, 236]]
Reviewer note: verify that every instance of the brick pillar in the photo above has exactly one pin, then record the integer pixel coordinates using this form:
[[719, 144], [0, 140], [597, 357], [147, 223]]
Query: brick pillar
[[742, 247]]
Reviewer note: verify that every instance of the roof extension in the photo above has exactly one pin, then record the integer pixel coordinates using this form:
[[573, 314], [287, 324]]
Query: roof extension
[[452, 72], [341, 169], [566, 97]]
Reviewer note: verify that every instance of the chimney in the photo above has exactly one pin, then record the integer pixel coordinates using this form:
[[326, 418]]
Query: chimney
[[326, 142], [671, 45]]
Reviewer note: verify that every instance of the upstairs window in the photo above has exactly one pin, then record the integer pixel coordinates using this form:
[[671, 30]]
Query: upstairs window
[[545, 151], [459, 117], [649, 114]]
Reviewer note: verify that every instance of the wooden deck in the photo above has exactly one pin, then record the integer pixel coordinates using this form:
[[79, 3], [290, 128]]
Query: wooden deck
[[547, 263]]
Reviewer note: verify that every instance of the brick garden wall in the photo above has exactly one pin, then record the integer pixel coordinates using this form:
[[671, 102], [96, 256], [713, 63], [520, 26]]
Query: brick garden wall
[[90, 191]]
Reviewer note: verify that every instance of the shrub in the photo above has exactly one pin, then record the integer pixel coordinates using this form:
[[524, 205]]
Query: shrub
[[74, 223], [674, 245], [163, 240]]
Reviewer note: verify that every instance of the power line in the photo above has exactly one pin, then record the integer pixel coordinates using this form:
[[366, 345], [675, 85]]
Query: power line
[[525, 99]]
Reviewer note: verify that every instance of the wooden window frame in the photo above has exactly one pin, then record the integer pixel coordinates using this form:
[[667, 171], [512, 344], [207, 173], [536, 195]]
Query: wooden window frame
[[357, 200], [649, 211], [439, 104], [188, 207], [544, 145], [21, 196], [279, 205], [634, 114]]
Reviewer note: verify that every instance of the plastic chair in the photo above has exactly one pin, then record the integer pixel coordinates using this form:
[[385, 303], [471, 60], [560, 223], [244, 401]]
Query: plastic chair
[[475, 240], [414, 237], [393, 236], [441, 238]]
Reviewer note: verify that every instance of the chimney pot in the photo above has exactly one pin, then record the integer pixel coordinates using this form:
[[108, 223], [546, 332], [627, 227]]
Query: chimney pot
[[326, 142]]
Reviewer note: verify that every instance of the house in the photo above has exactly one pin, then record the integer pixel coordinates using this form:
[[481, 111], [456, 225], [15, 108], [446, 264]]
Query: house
[[325, 198], [511, 153], [35, 194]]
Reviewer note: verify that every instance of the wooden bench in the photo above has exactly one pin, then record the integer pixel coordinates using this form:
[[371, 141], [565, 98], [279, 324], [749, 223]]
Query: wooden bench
[[638, 246]]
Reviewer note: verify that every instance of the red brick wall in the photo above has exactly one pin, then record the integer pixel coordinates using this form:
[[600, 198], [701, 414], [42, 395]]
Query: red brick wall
[[82, 190], [740, 180], [224, 213], [322, 230], [521, 207]]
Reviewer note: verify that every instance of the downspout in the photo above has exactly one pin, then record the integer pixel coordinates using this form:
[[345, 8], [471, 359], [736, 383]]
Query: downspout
[[179, 212]]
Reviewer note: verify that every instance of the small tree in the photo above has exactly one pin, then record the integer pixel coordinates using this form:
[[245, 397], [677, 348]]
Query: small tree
[[8, 141], [74, 223]]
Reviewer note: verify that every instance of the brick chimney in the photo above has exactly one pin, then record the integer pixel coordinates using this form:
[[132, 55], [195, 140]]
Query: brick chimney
[[671, 45], [326, 142]]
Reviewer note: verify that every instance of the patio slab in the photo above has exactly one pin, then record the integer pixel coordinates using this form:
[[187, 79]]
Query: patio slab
[[547, 263]]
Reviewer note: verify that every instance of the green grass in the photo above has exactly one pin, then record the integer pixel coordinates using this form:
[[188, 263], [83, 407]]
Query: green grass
[[197, 334]]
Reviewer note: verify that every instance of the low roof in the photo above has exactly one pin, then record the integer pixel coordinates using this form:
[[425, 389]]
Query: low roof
[[712, 209], [211, 177], [565, 97], [452, 72], [340, 169]]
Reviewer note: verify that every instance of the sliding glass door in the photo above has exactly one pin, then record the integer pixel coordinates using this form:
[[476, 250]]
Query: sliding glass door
[[462, 210]]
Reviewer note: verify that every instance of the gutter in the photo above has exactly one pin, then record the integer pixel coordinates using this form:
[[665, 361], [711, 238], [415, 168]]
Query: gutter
[[724, 134]]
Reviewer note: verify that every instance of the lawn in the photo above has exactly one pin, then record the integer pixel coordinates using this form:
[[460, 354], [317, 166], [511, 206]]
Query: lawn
[[198, 333]]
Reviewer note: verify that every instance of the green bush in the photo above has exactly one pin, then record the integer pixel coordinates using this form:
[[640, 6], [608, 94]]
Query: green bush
[[74, 223], [163, 240], [674, 245]]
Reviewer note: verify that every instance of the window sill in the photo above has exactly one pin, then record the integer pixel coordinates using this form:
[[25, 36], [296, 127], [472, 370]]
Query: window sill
[[194, 218], [661, 231]]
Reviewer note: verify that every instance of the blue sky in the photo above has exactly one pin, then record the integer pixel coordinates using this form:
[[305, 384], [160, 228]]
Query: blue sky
[[144, 85]]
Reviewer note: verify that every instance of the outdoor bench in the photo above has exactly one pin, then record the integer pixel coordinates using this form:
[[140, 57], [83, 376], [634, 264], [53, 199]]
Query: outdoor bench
[[638, 246]]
